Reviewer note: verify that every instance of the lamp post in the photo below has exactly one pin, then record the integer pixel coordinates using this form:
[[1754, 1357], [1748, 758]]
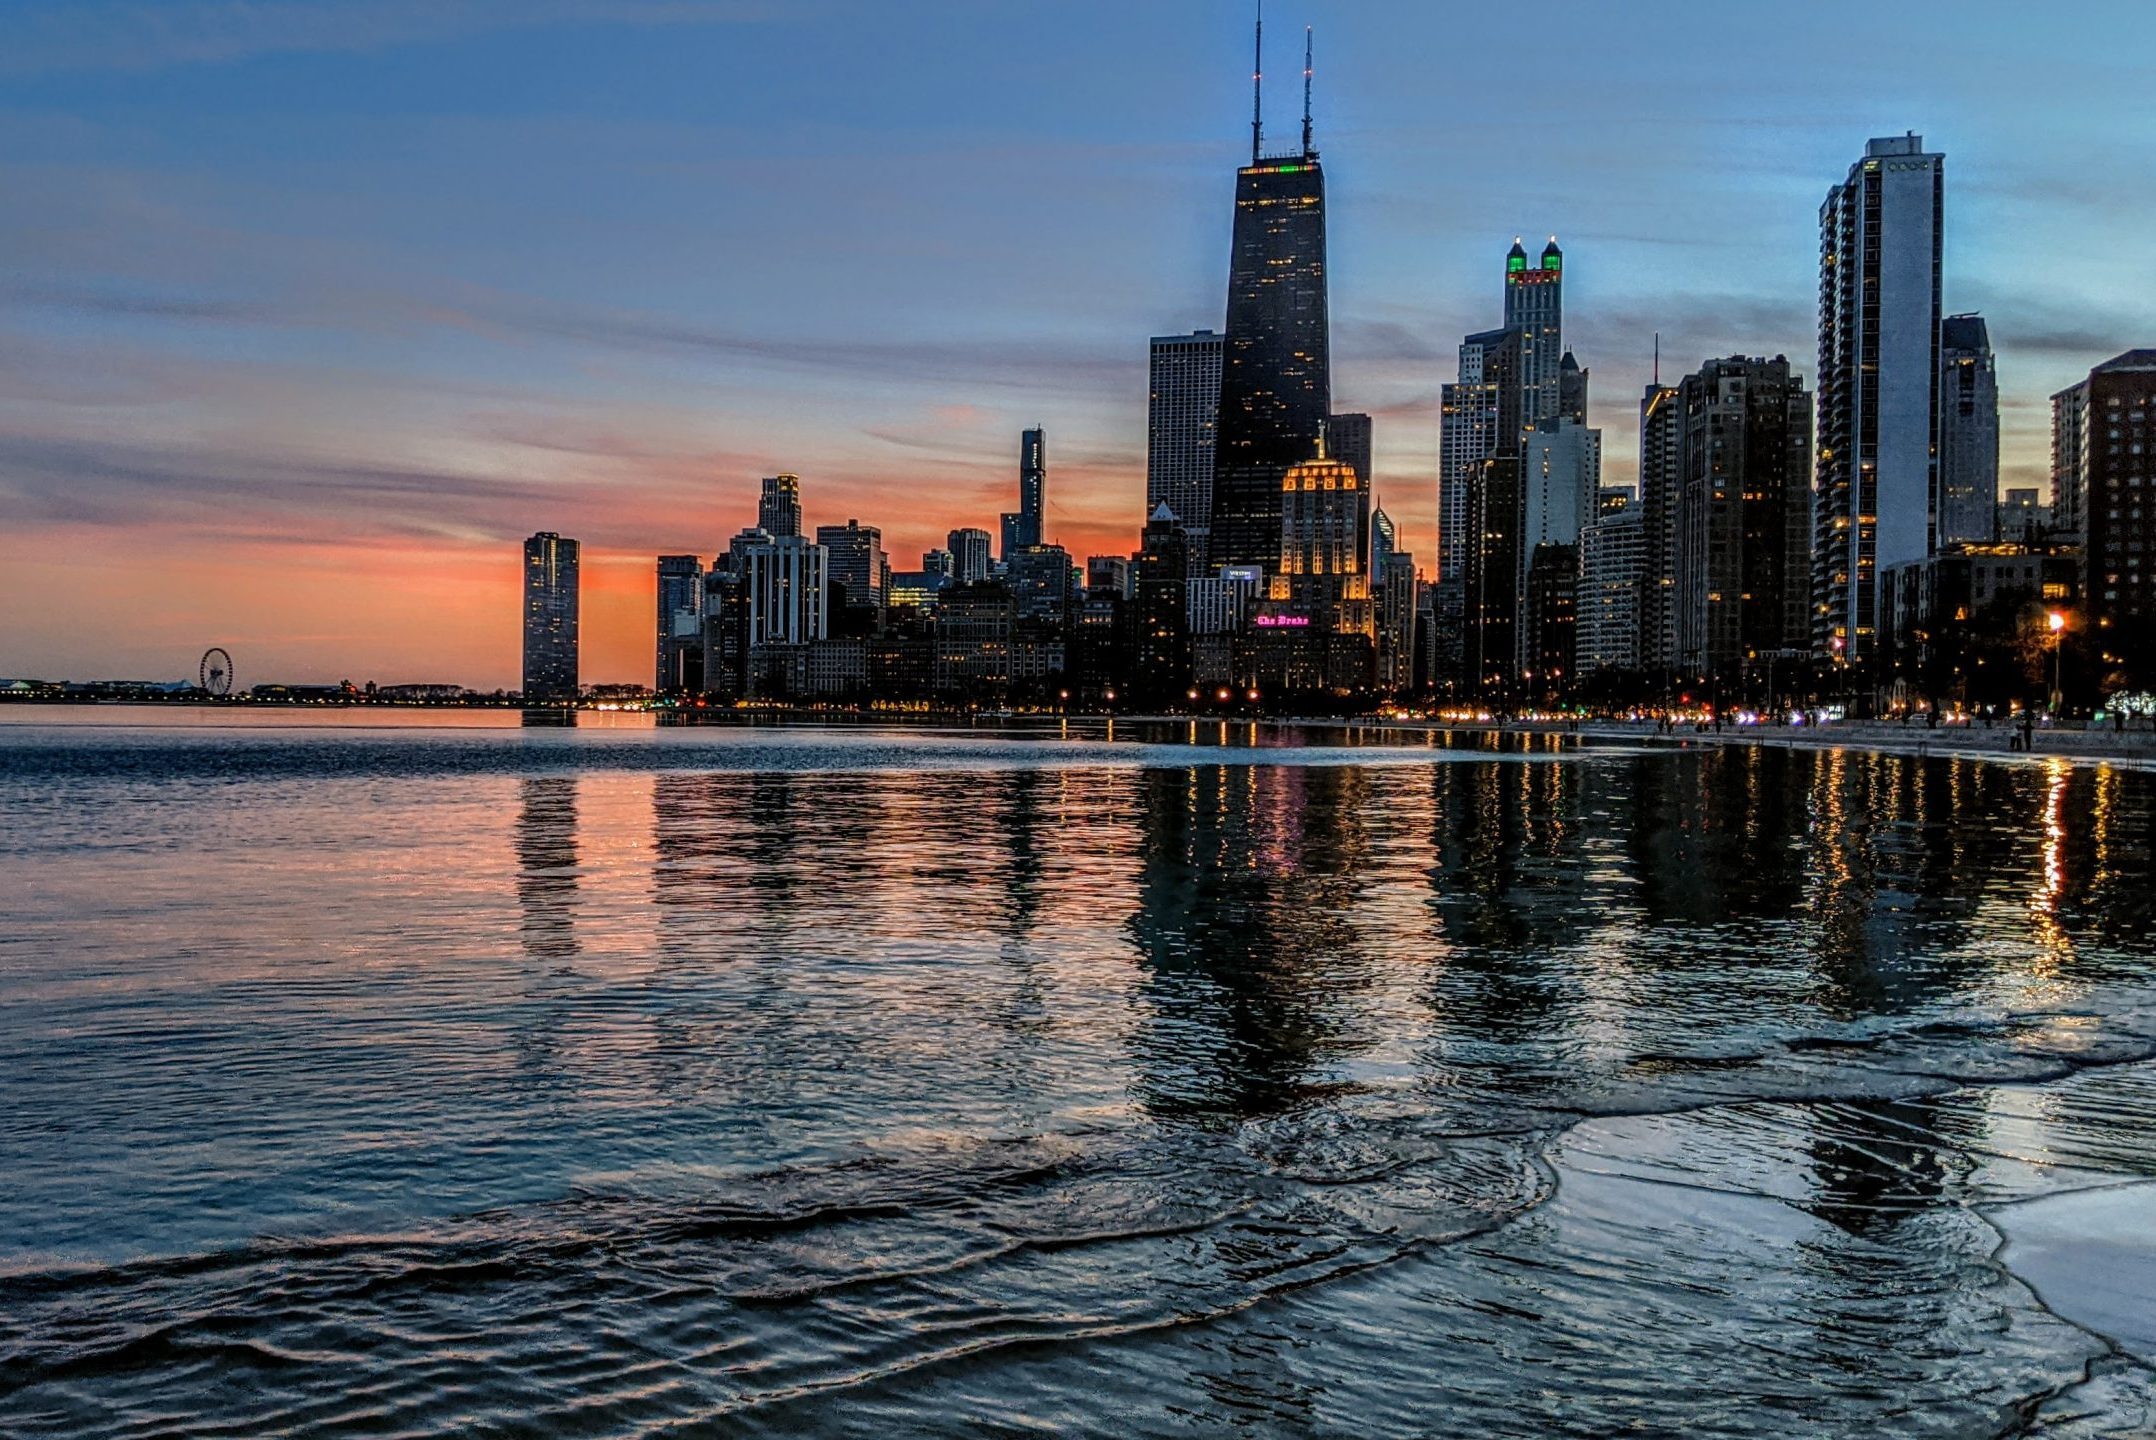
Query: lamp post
[[2057, 624]]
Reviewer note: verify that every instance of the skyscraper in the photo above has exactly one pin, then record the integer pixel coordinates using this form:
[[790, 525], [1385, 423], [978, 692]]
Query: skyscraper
[[1743, 582], [1535, 306], [680, 624], [1467, 436], [1182, 421], [1275, 376], [1321, 570], [1033, 482], [1879, 333], [969, 555], [1661, 431], [786, 583], [550, 618], [2116, 477], [1348, 437], [1968, 432], [778, 513], [856, 561]]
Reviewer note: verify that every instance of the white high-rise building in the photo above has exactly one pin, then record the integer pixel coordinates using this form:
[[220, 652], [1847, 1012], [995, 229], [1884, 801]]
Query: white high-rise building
[[788, 580], [1182, 421], [1879, 330]]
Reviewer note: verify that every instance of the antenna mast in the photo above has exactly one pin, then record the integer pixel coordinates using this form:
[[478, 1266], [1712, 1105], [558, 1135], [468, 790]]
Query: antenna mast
[[1306, 92], [1257, 88]]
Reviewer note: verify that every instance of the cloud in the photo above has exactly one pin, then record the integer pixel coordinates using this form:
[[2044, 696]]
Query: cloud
[[86, 35]]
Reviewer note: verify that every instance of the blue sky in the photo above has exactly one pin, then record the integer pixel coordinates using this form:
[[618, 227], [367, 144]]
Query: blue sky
[[306, 309]]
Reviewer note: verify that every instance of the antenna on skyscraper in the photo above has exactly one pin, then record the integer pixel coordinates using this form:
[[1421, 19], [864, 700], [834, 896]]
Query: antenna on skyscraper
[[1306, 92], [1657, 357], [1257, 88]]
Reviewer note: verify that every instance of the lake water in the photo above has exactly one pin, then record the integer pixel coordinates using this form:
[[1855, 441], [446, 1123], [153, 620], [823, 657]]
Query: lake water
[[468, 1079]]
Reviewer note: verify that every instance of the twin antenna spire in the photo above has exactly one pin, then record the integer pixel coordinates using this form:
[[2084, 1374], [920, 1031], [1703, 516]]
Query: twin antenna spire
[[1257, 91]]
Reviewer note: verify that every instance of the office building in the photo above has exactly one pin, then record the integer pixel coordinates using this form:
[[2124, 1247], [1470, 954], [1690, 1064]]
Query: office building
[[1743, 581], [680, 660], [1040, 579], [2024, 518], [1613, 569], [856, 562], [1879, 333], [1661, 430], [1535, 306], [1275, 375], [970, 556], [550, 618], [1182, 422], [1320, 573], [786, 580], [1968, 432], [2069, 460], [1470, 431], [1160, 571], [778, 513], [2116, 483], [1347, 437]]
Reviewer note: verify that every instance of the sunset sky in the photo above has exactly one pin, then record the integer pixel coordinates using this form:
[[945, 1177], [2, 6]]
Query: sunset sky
[[310, 312]]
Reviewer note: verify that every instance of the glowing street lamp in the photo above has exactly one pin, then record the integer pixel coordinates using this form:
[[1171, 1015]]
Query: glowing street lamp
[[2057, 624]]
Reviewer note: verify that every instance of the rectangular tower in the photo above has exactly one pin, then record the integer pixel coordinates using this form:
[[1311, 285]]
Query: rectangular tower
[[1968, 432], [1535, 306], [1879, 331], [550, 618], [1467, 435], [1743, 531], [680, 624], [1275, 376], [778, 512], [1182, 420]]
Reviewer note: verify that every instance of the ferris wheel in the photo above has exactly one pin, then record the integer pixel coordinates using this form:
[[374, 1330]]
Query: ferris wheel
[[216, 672]]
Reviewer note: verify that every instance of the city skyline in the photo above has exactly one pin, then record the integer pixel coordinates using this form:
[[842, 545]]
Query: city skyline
[[305, 453]]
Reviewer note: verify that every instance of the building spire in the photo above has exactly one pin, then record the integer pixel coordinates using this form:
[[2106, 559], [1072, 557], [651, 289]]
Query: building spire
[[1306, 92], [1257, 88]]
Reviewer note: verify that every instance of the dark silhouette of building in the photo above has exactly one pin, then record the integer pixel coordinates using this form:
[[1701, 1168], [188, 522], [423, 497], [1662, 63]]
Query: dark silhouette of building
[[1744, 515], [1275, 376], [2113, 475], [550, 618], [1968, 433], [680, 660], [778, 513]]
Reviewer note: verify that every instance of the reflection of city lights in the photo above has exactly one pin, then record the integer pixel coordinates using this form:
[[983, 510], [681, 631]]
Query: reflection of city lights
[[2044, 904]]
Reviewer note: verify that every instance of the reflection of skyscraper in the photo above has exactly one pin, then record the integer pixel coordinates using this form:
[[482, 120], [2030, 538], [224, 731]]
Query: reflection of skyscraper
[[547, 866], [1275, 375], [1182, 419], [1879, 253], [550, 617]]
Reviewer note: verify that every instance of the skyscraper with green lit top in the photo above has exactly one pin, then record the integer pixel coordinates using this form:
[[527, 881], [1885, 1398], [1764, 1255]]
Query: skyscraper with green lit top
[[1276, 365]]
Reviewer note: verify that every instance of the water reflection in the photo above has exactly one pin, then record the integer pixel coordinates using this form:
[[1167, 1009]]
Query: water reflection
[[546, 882]]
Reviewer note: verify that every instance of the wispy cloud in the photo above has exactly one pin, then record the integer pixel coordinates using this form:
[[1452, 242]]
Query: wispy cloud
[[84, 35]]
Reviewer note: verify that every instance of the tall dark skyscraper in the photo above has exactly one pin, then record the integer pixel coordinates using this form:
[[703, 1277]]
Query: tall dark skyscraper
[[1033, 481], [1276, 375], [550, 617], [1744, 515], [1968, 432], [778, 513]]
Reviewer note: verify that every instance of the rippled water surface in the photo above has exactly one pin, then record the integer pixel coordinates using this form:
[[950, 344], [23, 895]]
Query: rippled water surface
[[626, 1082]]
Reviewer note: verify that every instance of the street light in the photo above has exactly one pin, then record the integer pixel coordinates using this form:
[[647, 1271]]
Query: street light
[[2057, 624]]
